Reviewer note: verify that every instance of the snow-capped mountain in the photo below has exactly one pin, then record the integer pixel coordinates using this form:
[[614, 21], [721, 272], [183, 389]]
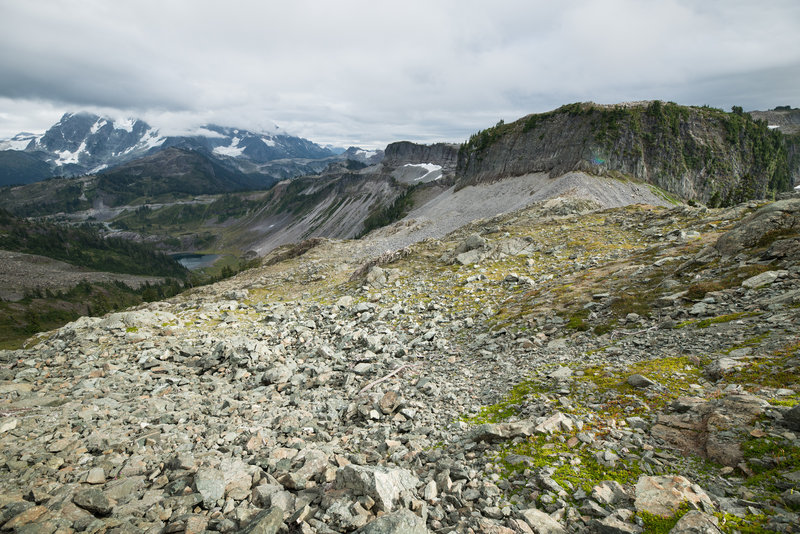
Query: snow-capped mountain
[[84, 143]]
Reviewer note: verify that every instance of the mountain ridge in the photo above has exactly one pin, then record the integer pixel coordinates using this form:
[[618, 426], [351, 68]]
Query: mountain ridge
[[86, 143]]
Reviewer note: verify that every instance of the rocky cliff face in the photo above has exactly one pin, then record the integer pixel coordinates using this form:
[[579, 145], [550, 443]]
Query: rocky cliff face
[[697, 153], [403, 152]]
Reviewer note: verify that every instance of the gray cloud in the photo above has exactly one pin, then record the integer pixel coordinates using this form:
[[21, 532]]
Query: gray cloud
[[359, 72]]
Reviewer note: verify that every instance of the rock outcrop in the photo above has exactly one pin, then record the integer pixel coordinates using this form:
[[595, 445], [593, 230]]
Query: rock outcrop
[[696, 153]]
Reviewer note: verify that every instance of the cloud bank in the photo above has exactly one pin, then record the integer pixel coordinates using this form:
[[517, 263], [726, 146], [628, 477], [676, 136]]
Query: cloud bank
[[367, 73]]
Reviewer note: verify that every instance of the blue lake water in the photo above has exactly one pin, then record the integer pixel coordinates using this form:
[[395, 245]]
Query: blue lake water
[[195, 261]]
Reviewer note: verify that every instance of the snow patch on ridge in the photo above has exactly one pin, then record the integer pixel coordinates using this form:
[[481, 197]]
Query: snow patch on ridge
[[65, 157], [434, 172], [268, 141], [124, 124], [97, 125]]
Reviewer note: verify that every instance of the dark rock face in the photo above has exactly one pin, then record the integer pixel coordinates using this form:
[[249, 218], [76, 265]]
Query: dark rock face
[[403, 152], [697, 153]]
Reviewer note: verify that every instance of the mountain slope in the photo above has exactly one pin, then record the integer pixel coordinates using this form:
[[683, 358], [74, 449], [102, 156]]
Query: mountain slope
[[22, 168], [173, 171]]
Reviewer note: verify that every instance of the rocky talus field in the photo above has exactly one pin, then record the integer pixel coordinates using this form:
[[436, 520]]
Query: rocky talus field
[[559, 369]]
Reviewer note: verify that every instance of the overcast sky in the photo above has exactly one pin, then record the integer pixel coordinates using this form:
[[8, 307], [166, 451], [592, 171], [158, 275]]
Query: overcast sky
[[370, 72]]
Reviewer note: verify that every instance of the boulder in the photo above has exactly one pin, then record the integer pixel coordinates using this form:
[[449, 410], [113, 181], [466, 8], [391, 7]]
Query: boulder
[[382, 484], [268, 521], [210, 484], [663, 495], [541, 523], [399, 522], [502, 431], [696, 522], [791, 418], [93, 500], [783, 215], [763, 279]]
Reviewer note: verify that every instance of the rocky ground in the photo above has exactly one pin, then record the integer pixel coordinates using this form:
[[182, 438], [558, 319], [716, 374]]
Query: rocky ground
[[554, 370]]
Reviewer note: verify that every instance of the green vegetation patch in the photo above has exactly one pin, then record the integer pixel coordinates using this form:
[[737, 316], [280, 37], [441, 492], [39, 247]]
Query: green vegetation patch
[[705, 323], [674, 374], [508, 406], [778, 369], [574, 465], [768, 458]]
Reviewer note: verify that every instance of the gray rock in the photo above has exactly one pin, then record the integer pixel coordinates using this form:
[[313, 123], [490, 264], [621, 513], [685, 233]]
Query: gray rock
[[557, 422], [763, 279], [613, 525], [210, 484], [663, 495], [93, 500], [473, 242], [502, 431], [541, 523], [376, 277], [696, 522], [347, 515], [609, 492], [266, 522], [380, 483], [344, 302], [722, 367], [791, 418], [561, 373], [639, 381], [469, 258], [399, 522], [776, 216]]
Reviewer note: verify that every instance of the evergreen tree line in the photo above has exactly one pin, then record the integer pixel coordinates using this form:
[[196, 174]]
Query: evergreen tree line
[[84, 246]]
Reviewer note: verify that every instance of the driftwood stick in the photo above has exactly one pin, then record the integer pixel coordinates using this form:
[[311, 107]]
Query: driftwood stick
[[624, 333], [387, 377]]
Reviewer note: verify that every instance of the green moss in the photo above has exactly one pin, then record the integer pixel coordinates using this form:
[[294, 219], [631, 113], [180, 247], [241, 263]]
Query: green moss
[[572, 467], [789, 401], [749, 524], [132, 329], [768, 458], [656, 524], [507, 407], [705, 323], [773, 370], [675, 374]]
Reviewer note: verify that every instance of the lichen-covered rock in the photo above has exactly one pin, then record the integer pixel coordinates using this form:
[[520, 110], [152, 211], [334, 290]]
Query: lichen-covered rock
[[663, 495], [696, 522], [266, 522], [399, 522]]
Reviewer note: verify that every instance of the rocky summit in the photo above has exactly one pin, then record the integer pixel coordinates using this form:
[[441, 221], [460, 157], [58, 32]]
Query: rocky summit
[[562, 368]]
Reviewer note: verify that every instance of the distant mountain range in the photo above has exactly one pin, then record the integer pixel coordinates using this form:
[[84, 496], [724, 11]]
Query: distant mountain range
[[85, 143]]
